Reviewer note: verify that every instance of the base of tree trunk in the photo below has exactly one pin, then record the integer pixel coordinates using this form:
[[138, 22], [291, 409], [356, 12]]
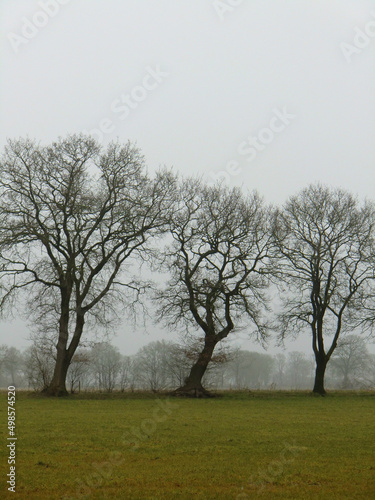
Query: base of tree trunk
[[192, 392], [55, 392], [319, 392]]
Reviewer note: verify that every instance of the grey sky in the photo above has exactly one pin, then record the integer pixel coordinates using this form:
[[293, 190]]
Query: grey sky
[[263, 90]]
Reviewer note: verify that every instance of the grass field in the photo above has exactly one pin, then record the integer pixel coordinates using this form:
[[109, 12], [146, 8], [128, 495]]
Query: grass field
[[239, 446]]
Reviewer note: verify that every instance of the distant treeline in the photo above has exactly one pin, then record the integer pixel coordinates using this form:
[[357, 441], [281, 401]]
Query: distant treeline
[[165, 365]]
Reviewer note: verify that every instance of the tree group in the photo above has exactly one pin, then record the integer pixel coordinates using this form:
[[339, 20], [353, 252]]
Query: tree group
[[78, 221]]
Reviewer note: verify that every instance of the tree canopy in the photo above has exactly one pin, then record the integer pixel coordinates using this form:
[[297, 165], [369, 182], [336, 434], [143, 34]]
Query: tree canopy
[[72, 214], [325, 239], [218, 265]]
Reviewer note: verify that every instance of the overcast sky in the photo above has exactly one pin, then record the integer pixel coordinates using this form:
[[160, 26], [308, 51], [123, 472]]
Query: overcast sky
[[271, 95]]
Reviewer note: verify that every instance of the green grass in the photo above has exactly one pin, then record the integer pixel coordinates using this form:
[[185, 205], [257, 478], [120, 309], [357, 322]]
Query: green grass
[[239, 446]]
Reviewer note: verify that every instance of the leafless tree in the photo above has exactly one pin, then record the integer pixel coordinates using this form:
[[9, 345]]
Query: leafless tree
[[78, 368], [299, 370], [250, 370], [279, 371], [368, 379], [217, 261], [178, 363], [126, 375], [151, 366], [351, 361], [325, 239], [39, 362], [72, 215], [105, 361], [11, 366], [190, 349]]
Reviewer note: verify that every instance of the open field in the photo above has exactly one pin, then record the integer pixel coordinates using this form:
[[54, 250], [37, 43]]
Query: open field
[[242, 445]]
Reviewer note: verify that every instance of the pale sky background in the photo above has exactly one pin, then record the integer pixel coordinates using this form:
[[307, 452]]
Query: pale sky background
[[223, 74]]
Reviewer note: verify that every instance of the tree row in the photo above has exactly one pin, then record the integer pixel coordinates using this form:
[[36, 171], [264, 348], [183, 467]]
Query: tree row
[[82, 225], [163, 366]]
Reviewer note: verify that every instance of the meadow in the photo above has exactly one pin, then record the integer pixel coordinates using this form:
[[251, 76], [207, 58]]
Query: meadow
[[241, 445]]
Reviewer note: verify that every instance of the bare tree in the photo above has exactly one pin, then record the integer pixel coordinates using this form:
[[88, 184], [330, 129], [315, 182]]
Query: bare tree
[[218, 265], [250, 370], [126, 375], [178, 363], [325, 239], [299, 370], [351, 361], [78, 368], [151, 366], [72, 214], [279, 371], [368, 379], [39, 362], [11, 366], [105, 361]]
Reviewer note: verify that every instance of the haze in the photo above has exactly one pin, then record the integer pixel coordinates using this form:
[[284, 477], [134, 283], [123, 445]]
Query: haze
[[267, 95]]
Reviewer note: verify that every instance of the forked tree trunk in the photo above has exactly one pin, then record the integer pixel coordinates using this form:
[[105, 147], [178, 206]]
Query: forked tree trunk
[[321, 365], [193, 383]]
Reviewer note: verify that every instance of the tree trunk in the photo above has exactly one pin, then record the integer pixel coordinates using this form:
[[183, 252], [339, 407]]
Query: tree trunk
[[57, 387], [346, 382], [321, 365], [193, 383]]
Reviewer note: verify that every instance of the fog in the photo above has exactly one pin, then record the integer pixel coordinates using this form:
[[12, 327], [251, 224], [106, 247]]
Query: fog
[[266, 95]]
